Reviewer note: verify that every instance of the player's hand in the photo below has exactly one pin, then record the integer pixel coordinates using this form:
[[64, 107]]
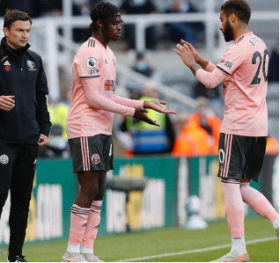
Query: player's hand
[[42, 140], [140, 114], [7, 103], [156, 105], [186, 54], [192, 49]]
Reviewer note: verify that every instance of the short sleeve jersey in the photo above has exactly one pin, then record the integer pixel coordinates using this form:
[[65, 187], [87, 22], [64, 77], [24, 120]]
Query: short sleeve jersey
[[97, 64], [245, 63]]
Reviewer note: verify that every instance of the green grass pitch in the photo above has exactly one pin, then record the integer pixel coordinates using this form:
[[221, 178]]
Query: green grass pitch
[[169, 245]]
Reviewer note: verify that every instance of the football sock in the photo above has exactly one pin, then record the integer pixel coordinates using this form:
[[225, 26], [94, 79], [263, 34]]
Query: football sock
[[235, 216], [238, 245], [86, 250], [275, 223], [79, 216], [92, 225], [258, 202]]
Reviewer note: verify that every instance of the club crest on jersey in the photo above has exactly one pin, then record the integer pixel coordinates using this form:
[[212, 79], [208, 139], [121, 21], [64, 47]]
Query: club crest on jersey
[[4, 159], [91, 63], [7, 65], [109, 86], [31, 65], [95, 159]]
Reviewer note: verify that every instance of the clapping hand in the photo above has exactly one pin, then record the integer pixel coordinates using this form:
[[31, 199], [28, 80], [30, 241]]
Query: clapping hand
[[192, 49]]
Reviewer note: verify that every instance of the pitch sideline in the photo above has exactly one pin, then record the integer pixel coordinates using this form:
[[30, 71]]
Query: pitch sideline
[[195, 250]]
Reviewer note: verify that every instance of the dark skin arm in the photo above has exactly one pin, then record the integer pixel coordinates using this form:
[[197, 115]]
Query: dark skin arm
[[141, 115]]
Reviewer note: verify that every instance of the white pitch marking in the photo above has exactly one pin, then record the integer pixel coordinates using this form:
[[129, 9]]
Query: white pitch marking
[[195, 250]]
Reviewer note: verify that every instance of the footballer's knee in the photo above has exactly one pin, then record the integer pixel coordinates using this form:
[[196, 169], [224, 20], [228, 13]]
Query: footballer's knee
[[100, 193], [245, 180]]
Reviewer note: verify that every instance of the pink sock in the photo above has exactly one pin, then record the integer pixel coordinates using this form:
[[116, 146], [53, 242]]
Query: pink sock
[[92, 224], [258, 202], [79, 216], [234, 209]]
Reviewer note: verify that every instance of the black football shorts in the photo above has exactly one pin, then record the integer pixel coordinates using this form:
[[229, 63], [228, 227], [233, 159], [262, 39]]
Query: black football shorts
[[92, 153], [240, 157]]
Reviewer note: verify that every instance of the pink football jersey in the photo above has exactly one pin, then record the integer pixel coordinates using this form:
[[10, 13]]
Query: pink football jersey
[[93, 99], [245, 63]]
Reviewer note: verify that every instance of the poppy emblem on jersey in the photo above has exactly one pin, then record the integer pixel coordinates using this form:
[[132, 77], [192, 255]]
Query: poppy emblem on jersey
[[95, 159], [91, 63], [7, 65], [4, 159]]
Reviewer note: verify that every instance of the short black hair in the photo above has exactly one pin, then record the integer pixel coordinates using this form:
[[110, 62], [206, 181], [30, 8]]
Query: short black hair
[[13, 15], [239, 7], [106, 12]]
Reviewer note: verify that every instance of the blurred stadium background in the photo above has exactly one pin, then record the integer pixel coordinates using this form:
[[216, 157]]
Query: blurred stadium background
[[131, 218]]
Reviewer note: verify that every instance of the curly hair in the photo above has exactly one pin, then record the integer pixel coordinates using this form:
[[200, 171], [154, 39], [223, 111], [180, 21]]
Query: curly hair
[[106, 12], [239, 7]]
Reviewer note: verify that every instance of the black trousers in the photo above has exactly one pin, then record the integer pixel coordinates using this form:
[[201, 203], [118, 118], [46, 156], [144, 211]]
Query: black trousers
[[17, 169]]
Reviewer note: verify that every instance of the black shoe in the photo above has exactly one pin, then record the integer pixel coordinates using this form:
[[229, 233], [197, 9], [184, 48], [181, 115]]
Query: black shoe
[[19, 258]]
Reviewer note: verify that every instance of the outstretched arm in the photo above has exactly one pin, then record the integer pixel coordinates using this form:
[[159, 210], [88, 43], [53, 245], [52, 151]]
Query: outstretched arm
[[140, 114], [156, 105]]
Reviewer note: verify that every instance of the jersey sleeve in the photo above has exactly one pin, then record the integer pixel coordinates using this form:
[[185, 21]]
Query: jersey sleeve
[[95, 100], [137, 104], [210, 79], [87, 64], [232, 59]]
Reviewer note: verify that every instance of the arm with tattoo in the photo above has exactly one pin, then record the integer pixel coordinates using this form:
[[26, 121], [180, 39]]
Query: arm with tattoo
[[194, 67]]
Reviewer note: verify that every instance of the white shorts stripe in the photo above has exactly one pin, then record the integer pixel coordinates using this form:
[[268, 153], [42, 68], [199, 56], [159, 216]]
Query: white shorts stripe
[[228, 145], [85, 153]]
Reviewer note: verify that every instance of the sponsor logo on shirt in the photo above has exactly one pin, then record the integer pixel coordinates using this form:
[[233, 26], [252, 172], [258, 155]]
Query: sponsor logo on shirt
[[31, 65], [91, 63], [109, 87], [228, 64]]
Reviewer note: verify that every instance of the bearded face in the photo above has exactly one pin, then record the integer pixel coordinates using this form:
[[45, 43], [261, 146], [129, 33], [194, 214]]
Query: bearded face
[[228, 31]]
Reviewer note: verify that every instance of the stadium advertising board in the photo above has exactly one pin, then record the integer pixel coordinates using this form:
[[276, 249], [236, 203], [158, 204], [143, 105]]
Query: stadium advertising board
[[53, 193], [169, 182]]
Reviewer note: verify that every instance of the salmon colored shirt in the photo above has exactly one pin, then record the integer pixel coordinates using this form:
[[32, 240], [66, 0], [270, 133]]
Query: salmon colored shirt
[[94, 100], [243, 70]]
